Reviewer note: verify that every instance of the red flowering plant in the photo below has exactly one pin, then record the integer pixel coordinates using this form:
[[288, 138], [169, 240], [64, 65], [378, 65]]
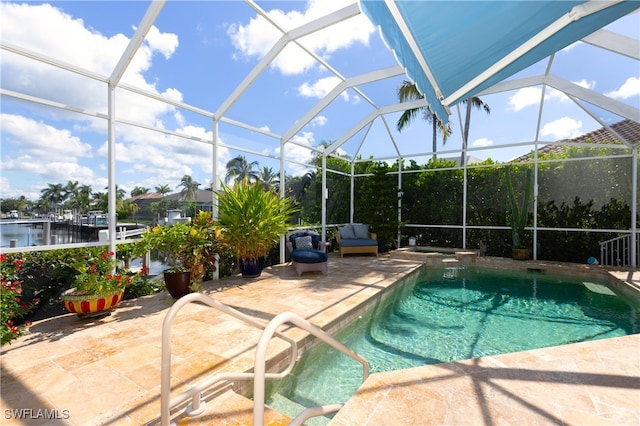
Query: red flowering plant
[[98, 275], [12, 307]]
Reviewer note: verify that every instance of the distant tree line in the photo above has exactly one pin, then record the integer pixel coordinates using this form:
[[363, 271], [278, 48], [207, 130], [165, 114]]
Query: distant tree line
[[593, 193]]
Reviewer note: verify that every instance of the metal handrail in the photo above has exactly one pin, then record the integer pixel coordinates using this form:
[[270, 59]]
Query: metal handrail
[[259, 375], [197, 406], [618, 251], [260, 365]]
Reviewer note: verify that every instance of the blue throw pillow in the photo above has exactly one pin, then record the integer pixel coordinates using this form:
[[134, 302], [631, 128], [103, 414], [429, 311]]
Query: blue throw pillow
[[361, 231], [315, 241], [346, 232]]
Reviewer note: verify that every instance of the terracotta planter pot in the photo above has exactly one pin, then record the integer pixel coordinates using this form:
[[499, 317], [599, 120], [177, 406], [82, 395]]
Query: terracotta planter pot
[[520, 253], [90, 304], [178, 283]]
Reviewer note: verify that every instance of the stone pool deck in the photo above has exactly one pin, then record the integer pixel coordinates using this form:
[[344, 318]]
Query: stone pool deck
[[107, 372]]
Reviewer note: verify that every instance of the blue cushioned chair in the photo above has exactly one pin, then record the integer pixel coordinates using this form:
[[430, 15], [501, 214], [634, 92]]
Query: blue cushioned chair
[[308, 252]]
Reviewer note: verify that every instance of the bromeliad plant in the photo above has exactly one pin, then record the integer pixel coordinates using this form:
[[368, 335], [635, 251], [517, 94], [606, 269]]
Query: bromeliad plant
[[12, 307]]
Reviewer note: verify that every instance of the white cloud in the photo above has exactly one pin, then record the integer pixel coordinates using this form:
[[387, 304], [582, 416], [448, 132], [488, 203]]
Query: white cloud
[[39, 140], [524, 97], [586, 84], [563, 128], [530, 96], [482, 142], [55, 150], [297, 153], [320, 120], [165, 43], [50, 31], [321, 88], [257, 37], [631, 87]]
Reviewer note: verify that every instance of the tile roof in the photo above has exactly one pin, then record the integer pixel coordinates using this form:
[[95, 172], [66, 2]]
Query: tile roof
[[629, 130], [147, 196]]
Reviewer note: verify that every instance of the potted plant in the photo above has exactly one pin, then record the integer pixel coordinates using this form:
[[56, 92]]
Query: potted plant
[[251, 220], [98, 286], [189, 248], [519, 213], [200, 247]]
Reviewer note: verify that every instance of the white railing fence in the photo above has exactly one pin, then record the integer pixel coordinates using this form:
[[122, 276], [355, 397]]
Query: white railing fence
[[618, 251], [197, 405]]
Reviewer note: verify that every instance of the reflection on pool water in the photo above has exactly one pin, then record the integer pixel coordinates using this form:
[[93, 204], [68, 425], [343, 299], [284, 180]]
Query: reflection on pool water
[[453, 314]]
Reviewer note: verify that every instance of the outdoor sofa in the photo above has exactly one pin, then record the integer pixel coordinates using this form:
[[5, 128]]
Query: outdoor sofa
[[356, 238]]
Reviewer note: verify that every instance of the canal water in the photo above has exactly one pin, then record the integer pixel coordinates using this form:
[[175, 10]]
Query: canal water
[[26, 235], [31, 234]]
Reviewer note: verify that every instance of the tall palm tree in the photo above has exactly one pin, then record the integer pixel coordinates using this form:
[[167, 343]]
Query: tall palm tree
[[189, 191], [71, 189], [300, 187], [239, 169], [162, 189], [270, 180], [82, 198], [408, 91], [473, 102], [54, 194], [120, 193]]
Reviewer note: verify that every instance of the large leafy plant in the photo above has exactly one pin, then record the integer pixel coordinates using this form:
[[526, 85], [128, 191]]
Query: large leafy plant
[[170, 240], [251, 220]]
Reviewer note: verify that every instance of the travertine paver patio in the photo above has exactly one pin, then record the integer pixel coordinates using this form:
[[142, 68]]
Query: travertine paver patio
[[107, 372]]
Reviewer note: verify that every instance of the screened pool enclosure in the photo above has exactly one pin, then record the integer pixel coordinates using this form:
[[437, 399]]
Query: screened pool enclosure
[[316, 100]]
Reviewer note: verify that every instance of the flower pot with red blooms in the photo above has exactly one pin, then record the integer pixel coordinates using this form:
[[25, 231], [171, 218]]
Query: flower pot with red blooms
[[98, 287]]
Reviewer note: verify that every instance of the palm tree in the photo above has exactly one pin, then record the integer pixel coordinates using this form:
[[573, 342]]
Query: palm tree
[[82, 198], [120, 193], [139, 190], [270, 180], [54, 194], [163, 189], [133, 209], [300, 187], [408, 91], [71, 188], [239, 169], [189, 187], [473, 102]]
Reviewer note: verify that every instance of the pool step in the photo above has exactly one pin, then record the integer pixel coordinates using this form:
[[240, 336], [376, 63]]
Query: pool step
[[231, 408]]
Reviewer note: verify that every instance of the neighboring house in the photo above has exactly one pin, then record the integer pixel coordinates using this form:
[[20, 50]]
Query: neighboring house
[[143, 201], [627, 129], [204, 199]]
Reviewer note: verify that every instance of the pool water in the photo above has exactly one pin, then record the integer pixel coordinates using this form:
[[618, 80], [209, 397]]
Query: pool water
[[454, 314]]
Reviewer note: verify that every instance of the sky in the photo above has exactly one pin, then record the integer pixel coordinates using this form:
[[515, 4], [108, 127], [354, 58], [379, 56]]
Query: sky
[[197, 53]]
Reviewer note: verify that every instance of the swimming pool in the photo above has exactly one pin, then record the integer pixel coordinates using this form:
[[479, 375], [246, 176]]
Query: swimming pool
[[458, 313]]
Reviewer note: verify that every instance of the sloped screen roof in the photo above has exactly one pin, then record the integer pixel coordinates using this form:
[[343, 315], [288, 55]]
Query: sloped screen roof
[[449, 53]]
